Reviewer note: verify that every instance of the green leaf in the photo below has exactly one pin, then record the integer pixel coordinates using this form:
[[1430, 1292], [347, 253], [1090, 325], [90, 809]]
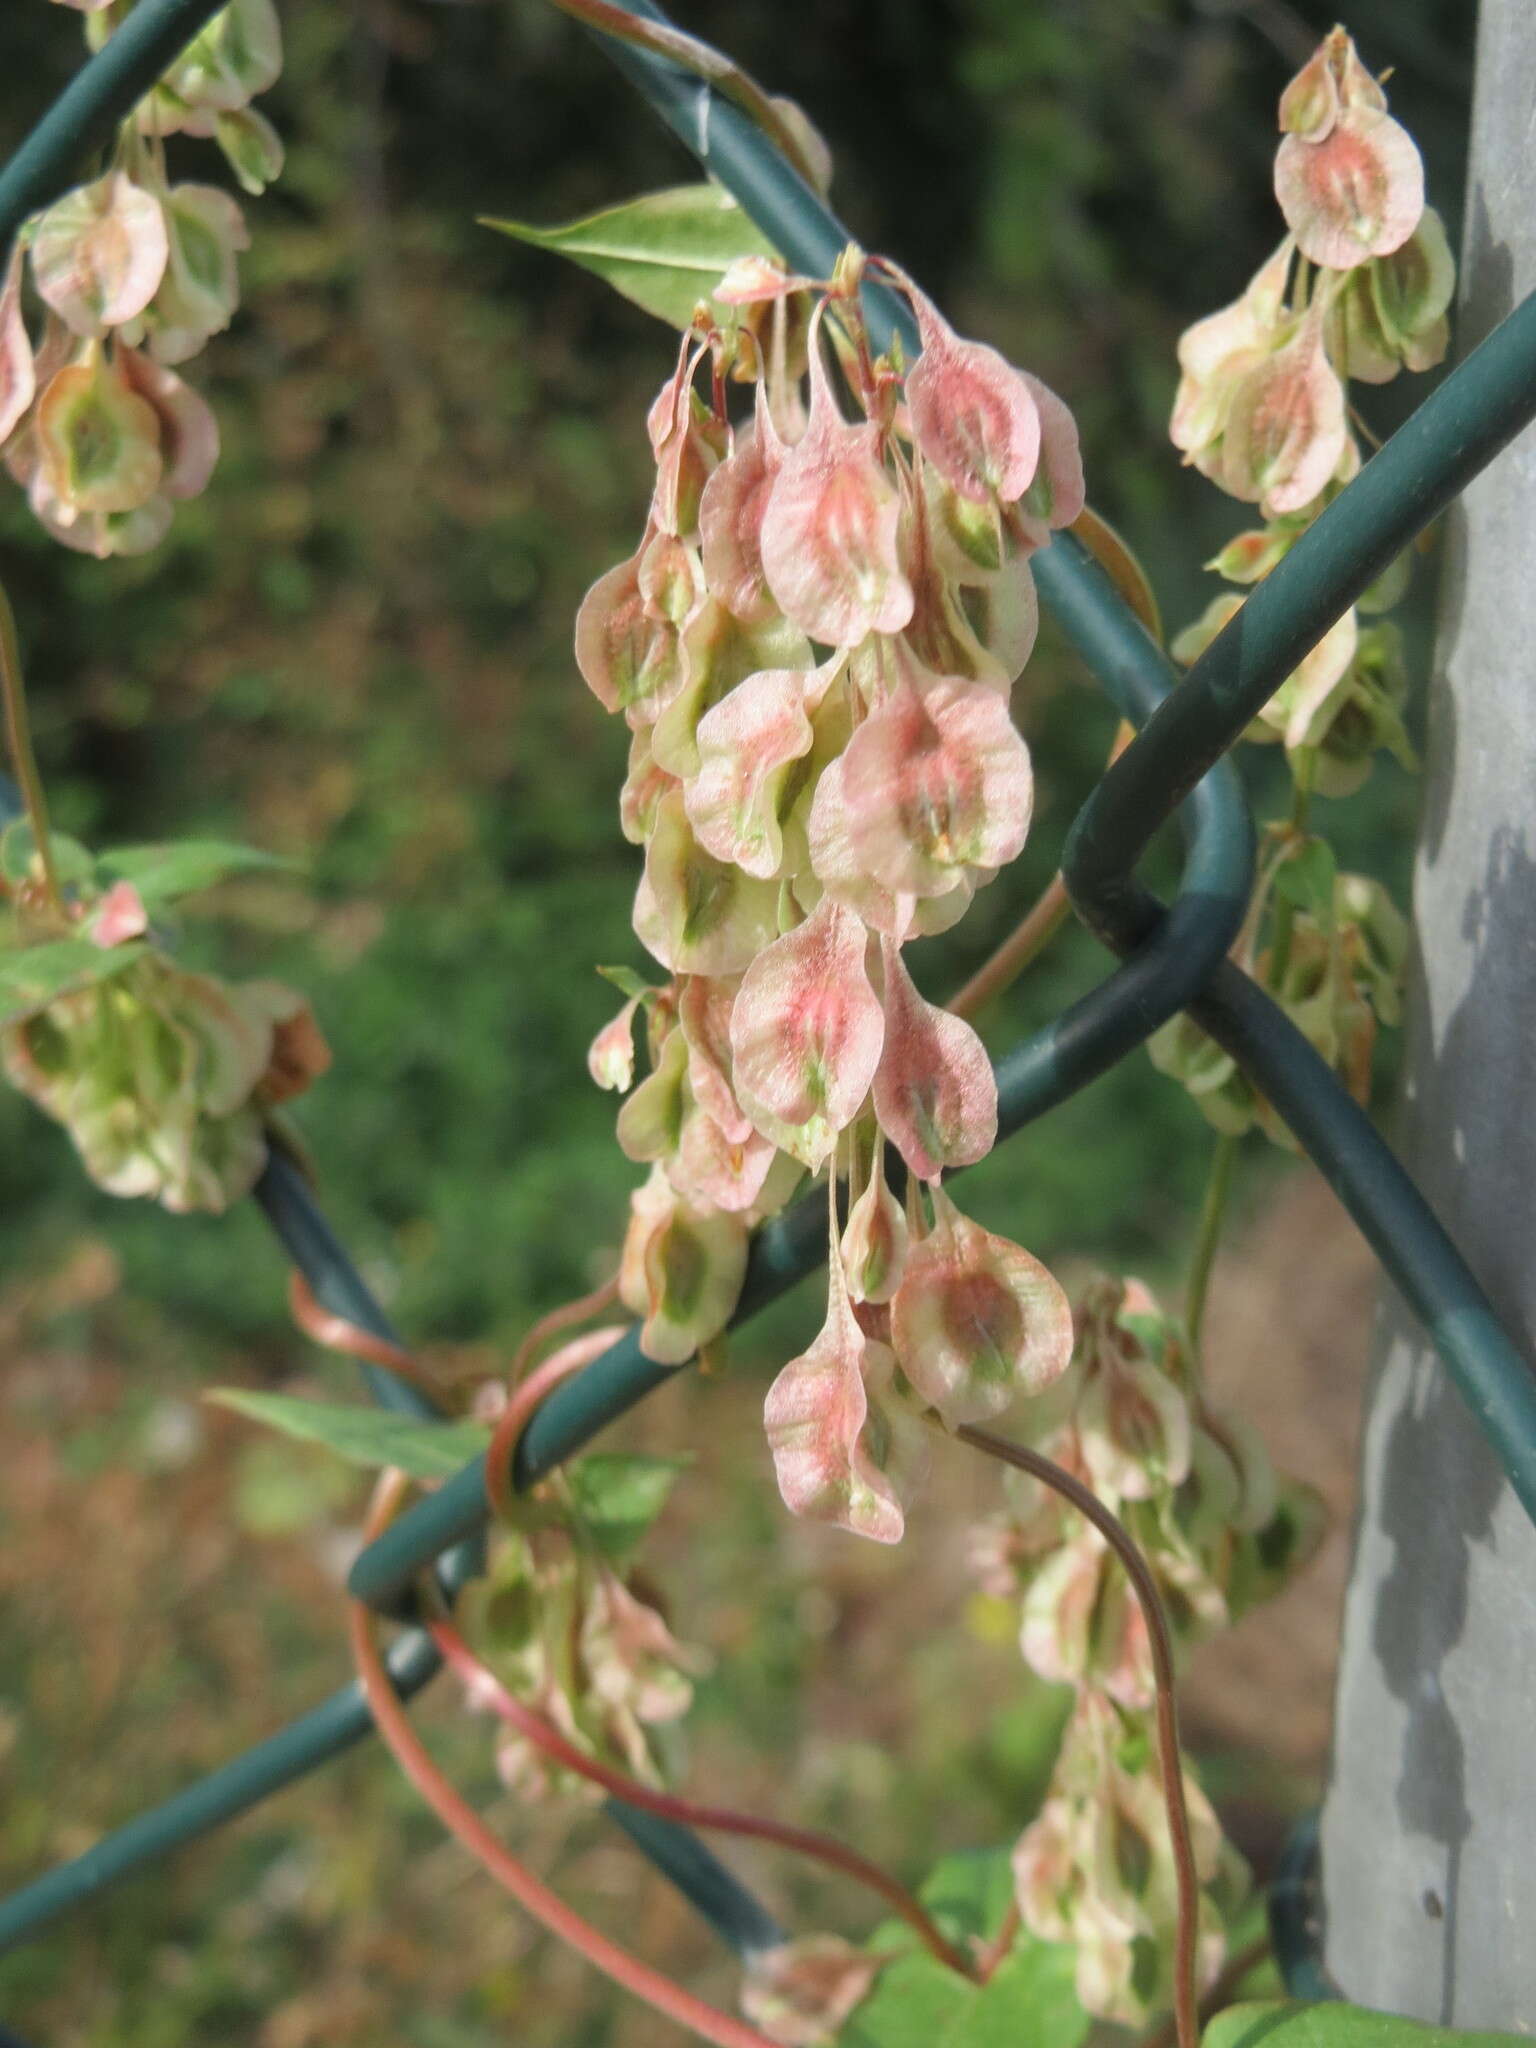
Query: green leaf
[[1305, 880], [162, 873], [18, 855], [619, 1496], [365, 1436], [627, 982], [968, 1893], [1288, 2025], [663, 251], [913, 2004], [33, 978], [1029, 2002]]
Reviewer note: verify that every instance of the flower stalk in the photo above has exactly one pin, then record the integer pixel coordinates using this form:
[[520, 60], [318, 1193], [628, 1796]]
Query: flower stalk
[[18, 738]]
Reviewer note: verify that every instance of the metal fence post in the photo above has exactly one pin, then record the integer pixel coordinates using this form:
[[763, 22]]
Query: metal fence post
[[1429, 1829]]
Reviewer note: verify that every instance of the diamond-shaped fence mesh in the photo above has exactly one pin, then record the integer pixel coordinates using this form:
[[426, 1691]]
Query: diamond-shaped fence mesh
[[1171, 957]]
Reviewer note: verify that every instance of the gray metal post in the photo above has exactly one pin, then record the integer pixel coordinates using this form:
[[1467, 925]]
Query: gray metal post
[[1429, 1828]]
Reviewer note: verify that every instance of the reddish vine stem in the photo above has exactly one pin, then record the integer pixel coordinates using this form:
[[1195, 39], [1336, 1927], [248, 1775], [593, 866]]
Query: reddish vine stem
[[1001, 1942], [1220, 1994], [461, 1820], [1049, 1473], [335, 1333], [484, 1685], [524, 1397], [565, 1317]]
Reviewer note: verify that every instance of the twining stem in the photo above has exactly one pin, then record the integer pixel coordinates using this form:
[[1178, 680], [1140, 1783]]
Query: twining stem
[[1033, 933], [1363, 426], [1233, 1971], [461, 1820], [1208, 1235], [485, 1687], [1001, 1943], [336, 1333], [523, 1398], [1028, 939], [1160, 1639], [706, 62], [562, 1318], [18, 736], [1303, 764]]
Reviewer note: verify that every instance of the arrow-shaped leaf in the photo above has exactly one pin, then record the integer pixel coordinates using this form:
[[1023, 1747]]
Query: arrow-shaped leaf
[[364, 1436], [664, 251], [162, 873], [619, 1495]]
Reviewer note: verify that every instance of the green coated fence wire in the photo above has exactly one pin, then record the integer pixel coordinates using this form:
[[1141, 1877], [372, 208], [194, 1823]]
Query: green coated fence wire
[[1173, 958]]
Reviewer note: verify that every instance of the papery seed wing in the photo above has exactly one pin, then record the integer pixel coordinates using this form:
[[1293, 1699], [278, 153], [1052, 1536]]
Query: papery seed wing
[[936, 781], [18, 380], [696, 914], [1356, 194], [1286, 432], [747, 744], [815, 1416], [189, 433], [829, 529], [806, 1031], [731, 517], [935, 1092], [99, 254], [973, 415], [977, 1322]]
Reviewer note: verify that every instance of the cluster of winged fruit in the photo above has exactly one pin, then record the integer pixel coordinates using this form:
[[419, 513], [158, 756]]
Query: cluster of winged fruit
[[169, 1081], [135, 274], [814, 646], [1220, 1532], [1358, 289]]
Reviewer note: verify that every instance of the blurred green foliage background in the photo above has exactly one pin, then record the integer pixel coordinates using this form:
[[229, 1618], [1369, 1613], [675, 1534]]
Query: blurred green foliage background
[[356, 648]]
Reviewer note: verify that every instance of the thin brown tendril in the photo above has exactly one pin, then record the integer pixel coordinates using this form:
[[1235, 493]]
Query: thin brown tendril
[[1033, 933], [1207, 1237], [18, 734], [997, 1949], [1119, 1539], [524, 1397], [564, 1317], [551, 1911], [335, 1333], [484, 1686], [706, 62], [1364, 426], [1028, 939]]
